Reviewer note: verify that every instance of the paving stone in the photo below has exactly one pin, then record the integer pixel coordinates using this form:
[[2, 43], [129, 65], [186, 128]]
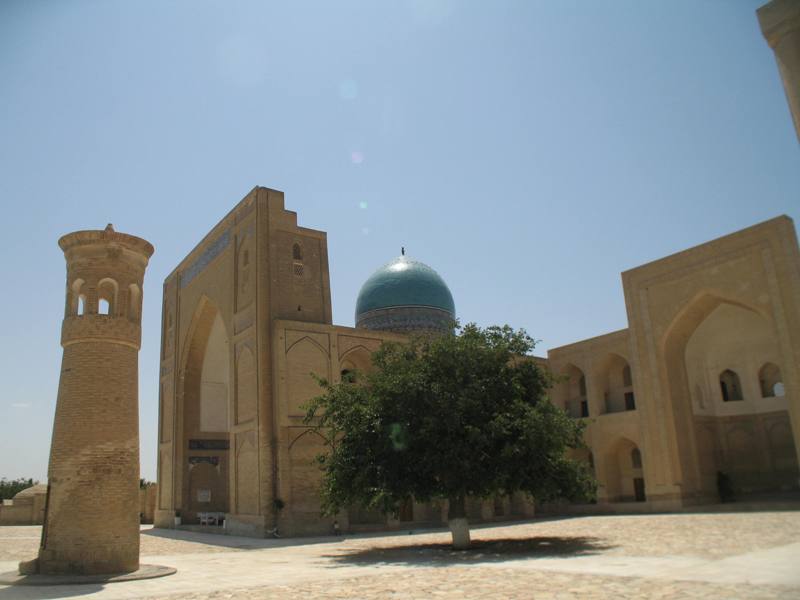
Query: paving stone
[[647, 556]]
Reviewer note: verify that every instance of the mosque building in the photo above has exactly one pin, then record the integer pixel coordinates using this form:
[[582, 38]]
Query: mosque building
[[701, 391], [705, 379]]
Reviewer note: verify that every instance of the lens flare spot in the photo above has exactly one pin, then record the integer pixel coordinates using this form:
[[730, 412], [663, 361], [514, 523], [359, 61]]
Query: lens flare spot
[[348, 89], [365, 230], [357, 157], [362, 205]]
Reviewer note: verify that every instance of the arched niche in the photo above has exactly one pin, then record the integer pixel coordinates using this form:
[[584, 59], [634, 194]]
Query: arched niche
[[724, 357], [245, 273], [615, 379], [573, 391], [305, 475], [247, 473], [246, 388], [355, 362], [305, 359], [134, 302], [624, 477]]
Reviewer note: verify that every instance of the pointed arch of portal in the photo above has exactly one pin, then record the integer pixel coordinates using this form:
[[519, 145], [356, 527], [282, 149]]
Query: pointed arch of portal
[[700, 440], [204, 393]]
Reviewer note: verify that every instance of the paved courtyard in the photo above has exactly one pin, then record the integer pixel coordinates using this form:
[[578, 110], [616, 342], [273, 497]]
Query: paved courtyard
[[727, 555]]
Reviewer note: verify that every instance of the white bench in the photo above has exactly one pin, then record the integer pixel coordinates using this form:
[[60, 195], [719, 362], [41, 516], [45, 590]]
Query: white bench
[[211, 518]]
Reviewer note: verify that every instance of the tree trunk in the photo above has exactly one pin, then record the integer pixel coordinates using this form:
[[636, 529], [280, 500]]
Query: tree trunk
[[457, 520]]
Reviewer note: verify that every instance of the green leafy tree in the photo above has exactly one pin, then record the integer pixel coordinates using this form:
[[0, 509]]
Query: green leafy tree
[[11, 487], [447, 417]]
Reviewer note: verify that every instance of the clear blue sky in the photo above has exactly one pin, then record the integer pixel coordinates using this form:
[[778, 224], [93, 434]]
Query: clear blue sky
[[529, 151]]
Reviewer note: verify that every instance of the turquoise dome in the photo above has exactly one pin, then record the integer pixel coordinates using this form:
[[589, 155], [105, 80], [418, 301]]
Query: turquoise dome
[[404, 282]]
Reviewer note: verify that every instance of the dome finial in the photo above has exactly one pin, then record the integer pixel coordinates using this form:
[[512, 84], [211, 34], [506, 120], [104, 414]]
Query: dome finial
[[402, 250]]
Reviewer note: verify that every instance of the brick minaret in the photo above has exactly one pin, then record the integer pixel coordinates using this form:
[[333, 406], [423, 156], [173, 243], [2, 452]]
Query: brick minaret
[[92, 520]]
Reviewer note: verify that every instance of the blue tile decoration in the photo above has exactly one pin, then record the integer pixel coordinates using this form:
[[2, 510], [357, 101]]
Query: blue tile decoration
[[211, 252]]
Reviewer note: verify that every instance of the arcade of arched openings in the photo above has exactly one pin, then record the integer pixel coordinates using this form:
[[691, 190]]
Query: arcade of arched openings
[[703, 384]]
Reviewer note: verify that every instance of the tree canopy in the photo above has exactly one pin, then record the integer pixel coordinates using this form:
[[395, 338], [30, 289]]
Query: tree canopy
[[447, 417], [11, 487]]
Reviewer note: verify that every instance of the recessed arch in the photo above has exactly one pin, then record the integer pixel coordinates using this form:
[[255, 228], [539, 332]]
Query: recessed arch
[[711, 352], [636, 458], [307, 338], [356, 360], [573, 390], [245, 288], [246, 385], [360, 349], [624, 471], [613, 376], [204, 397], [311, 432], [306, 361], [693, 313]]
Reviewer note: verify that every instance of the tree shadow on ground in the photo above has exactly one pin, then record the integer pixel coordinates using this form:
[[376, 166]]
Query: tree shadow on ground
[[236, 542], [481, 551]]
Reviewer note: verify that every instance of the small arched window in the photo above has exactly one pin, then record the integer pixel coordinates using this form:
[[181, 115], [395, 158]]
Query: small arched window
[[770, 380], [626, 376], [134, 299], [730, 386], [76, 299], [636, 458], [107, 297], [297, 252]]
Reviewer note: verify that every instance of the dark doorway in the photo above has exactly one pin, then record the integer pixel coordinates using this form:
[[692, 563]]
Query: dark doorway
[[638, 489]]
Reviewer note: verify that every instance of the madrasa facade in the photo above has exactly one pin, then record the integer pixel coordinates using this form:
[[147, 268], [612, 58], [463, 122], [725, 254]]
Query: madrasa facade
[[704, 383]]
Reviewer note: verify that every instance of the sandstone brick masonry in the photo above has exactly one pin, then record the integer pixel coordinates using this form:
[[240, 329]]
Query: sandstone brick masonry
[[247, 319], [92, 515]]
